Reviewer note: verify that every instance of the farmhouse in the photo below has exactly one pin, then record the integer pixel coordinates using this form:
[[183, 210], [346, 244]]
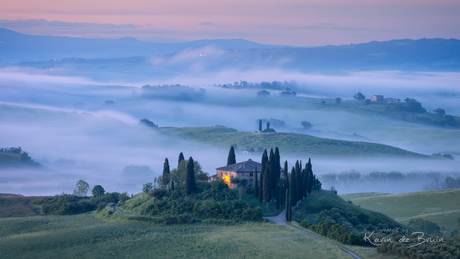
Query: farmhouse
[[377, 98], [243, 169]]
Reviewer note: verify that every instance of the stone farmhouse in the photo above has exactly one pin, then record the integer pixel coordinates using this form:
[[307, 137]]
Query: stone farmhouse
[[243, 169]]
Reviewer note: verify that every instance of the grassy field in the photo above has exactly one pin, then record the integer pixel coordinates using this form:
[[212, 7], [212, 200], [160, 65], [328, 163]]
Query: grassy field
[[83, 236], [12, 205], [290, 143], [441, 207]]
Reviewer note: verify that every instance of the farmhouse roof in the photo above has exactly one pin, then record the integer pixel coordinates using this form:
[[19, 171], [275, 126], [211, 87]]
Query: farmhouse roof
[[243, 167]]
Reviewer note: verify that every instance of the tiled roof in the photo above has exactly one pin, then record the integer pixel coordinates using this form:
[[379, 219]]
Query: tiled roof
[[243, 167]]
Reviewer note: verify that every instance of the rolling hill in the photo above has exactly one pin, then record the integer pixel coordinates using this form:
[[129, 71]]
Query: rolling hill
[[290, 143], [441, 207]]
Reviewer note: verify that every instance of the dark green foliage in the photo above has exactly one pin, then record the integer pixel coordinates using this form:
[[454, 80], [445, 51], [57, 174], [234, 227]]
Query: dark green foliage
[[359, 96], [98, 191], [260, 125], [181, 157], [123, 197], [71, 204], [211, 200], [278, 196], [277, 165], [249, 190], [158, 193], [190, 184], [425, 226], [146, 188], [266, 186], [256, 184], [448, 247], [305, 224], [166, 173], [231, 157], [81, 188], [285, 170], [239, 182]]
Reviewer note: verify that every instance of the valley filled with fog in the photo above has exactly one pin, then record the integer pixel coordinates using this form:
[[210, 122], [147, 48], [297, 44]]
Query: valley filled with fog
[[81, 128]]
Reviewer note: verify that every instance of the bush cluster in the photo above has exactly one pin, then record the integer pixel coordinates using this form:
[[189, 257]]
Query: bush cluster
[[348, 226], [71, 204], [447, 248], [212, 200]]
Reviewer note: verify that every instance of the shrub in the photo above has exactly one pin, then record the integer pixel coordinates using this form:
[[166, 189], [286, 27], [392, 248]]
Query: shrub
[[249, 190], [305, 224]]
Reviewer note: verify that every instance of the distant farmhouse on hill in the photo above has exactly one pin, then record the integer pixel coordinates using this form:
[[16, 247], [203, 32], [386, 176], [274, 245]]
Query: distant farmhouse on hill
[[243, 169]]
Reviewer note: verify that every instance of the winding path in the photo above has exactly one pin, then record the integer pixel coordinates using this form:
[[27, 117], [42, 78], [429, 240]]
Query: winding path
[[280, 219]]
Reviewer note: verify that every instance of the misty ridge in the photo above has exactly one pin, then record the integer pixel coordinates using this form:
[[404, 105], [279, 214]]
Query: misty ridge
[[109, 116]]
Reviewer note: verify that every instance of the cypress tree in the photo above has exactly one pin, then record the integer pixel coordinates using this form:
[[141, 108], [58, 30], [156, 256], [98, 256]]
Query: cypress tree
[[260, 125], [231, 157], [256, 187], [310, 176], [272, 171], [285, 170], [298, 181], [172, 185], [286, 213], [181, 157], [292, 186], [267, 192], [261, 192], [268, 125], [166, 173], [277, 164], [190, 184], [278, 196]]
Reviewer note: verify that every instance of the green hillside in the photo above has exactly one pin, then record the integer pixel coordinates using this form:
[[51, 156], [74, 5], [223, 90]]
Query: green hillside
[[12, 205], [441, 207], [291, 143]]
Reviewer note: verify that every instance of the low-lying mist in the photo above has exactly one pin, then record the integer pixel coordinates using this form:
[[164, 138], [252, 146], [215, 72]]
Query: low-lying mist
[[96, 124]]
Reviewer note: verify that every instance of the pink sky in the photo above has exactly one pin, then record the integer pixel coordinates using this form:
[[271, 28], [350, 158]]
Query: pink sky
[[288, 22]]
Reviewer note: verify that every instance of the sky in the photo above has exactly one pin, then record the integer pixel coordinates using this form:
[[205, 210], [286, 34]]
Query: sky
[[287, 22]]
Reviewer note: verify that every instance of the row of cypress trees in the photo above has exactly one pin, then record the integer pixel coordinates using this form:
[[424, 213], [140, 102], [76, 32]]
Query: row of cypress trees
[[190, 182], [287, 189]]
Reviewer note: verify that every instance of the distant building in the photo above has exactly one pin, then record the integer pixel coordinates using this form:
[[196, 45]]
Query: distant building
[[377, 98], [242, 169]]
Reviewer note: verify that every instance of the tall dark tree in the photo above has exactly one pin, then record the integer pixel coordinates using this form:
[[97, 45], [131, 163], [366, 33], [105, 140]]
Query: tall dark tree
[[231, 157], [166, 173], [260, 125], [292, 186], [172, 185], [256, 185], [278, 196], [181, 157], [277, 163], [190, 184], [262, 175], [268, 125], [272, 171], [298, 181], [310, 176], [287, 205], [267, 192], [285, 170]]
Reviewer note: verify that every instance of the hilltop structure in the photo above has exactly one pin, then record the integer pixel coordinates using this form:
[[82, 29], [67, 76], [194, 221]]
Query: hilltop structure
[[243, 169]]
